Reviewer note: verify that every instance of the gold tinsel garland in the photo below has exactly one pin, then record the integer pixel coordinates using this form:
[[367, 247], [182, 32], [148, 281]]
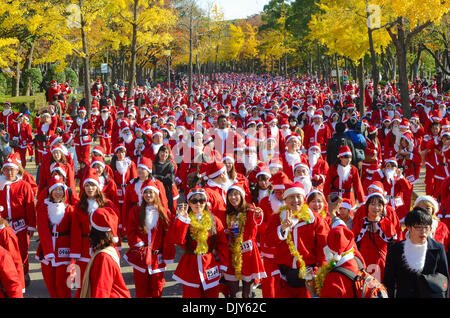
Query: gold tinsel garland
[[236, 242], [303, 215], [323, 272], [200, 232]]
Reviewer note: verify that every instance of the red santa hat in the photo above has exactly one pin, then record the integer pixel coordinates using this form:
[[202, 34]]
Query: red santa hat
[[314, 145], [238, 187], [92, 176], [279, 180], [294, 188], [372, 130], [262, 169], [67, 138], [118, 147], [56, 181], [97, 160], [214, 169], [391, 160], [82, 109], [340, 240], [409, 137], [98, 151], [428, 198], [270, 120], [59, 167], [105, 220], [228, 156], [347, 204], [149, 184], [379, 194], [197, 190], [404, 123], [54, 139], [275, 163], [386, 118], [124, 125], [344, 151], [145, 163], [293, 136]]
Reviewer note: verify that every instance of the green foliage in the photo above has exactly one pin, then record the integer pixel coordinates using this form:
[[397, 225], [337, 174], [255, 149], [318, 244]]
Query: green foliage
[[71, 76], [35, 76], [53, 74], [5, 83]]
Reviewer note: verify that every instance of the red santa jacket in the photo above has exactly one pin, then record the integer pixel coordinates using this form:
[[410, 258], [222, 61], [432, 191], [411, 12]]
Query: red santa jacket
[[399, 194], [17, 205], [336, 285], [200, 270], [158, 250], [217, 200], [104, 127], [79, 244], [54, 236], [106, 278], [349, 189], [320, 135], [9, 278], [309, 239], [9, 241], [82, 133]]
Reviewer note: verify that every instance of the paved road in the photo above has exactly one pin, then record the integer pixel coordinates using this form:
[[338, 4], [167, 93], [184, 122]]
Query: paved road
[[37, 288]]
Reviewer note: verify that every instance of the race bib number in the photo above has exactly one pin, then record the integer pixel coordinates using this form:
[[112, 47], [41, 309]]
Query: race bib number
[[19, 225], [86, 138], [246, 246], [398, 202], [63, 252], [119, 192], [212, 273], [410, 179], [160, 258]]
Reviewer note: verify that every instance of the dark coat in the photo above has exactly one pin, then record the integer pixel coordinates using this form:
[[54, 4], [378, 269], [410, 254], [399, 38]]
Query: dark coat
[[400, 281]]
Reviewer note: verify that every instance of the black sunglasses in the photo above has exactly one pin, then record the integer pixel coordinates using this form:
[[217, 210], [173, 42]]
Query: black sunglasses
[[195, 201]]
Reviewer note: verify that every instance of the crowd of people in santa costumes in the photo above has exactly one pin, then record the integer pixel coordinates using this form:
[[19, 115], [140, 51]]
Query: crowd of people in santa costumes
[[256, 180]]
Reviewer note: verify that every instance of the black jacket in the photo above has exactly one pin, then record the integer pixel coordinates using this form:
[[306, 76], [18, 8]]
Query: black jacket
[[400, 281], [333, 146]]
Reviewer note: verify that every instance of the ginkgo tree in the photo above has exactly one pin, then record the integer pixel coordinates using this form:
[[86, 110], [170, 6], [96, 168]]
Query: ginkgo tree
[[149, 24], [405, 20]]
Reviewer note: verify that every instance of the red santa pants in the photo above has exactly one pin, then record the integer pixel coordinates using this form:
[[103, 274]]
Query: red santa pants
[[106, 144], [269, 283], [83, 152], [24, 243], [283, 290], [148, 286], [198, 292], [23, 155], [55, 278]]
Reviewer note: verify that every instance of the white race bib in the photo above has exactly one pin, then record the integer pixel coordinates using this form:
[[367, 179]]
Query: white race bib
[[212, 273], [64, 252], [246, 246]]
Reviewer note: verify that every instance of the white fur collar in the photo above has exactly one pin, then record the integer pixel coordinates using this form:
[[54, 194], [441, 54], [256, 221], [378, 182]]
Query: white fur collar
[[55, 211], [92, 206], [151, 217], [414, 254]]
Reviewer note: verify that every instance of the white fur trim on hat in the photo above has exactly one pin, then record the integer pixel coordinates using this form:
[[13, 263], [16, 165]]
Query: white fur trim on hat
[[144, 167], [217, 173], [57, 185], [234, 187], [154, 189], [291, 191], [430, 199], [99, 228], [93, 181]]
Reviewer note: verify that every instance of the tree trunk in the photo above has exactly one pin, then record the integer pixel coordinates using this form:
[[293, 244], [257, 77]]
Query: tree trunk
[[87, 77], [361, 84], [338, 76], [28, 64], [16, 80], [132, 72]]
